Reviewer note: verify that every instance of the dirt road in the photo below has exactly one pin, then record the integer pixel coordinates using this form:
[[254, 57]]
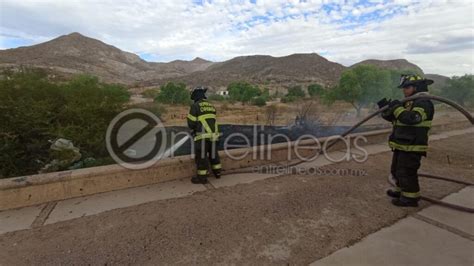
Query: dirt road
[[286, 219]]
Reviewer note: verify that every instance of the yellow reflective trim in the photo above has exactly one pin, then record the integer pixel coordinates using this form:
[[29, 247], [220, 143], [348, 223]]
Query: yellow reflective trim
[[202, 119], [192, 117], [398, 111], [216, 166], [422, 112], [202, 136], [419, 148], [397, 189], [411, 194], [211, 136], [206, 116], [426, 123], [202, 172], [206, 125]]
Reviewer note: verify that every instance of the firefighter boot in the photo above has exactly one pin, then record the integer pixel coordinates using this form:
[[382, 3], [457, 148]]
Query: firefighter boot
[[393, 193], [199, 180], [217, 173], [405, 202]]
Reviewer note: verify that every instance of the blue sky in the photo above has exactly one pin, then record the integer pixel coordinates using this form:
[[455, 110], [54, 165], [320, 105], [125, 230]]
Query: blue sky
[[435, 34]]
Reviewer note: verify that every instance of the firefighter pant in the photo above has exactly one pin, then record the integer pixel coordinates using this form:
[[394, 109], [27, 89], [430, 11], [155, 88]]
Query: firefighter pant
[[205, 152], [404, 169]]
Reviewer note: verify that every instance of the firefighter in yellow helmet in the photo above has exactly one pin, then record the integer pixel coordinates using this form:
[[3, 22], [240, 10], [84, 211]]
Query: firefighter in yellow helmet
[[409, 139], [203, 124]]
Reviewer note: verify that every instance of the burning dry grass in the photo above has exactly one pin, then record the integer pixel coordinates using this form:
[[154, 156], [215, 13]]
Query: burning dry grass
[[282, 114]]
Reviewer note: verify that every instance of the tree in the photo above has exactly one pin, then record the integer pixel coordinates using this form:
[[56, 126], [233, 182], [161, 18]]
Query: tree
[[360, 86], [242, 91], [28, 104], [460, 89], [35, 111], [172, 93], [296, 91], [89, 107], [315, 90]]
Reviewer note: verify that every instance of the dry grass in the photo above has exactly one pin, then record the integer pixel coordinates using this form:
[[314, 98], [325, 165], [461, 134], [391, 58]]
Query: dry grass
[[237, 113], [339, 113]]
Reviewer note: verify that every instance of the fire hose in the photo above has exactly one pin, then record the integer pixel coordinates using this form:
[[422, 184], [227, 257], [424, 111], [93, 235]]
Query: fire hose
[[422, 95]]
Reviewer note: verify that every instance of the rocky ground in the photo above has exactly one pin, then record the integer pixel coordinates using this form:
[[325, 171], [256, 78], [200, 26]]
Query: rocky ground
[[282, 220]]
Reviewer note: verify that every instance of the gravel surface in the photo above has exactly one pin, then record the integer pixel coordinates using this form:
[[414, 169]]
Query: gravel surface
[[282, 220]]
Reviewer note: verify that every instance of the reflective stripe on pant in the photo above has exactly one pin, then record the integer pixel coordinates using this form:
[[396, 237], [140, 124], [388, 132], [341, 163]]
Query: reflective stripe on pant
[[404, 169], [206, 152]]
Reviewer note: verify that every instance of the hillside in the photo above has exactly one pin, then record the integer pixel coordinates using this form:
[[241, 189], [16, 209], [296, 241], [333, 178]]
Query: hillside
[[75, 53], [269, 70], [396, 64]]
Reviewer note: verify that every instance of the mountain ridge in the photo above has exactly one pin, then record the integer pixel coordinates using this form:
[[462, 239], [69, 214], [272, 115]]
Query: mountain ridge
[[396, 64], [75, 53]]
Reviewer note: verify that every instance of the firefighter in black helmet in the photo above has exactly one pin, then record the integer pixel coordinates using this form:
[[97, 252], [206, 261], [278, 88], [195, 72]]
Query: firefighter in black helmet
[[203, 124], [409, 139]]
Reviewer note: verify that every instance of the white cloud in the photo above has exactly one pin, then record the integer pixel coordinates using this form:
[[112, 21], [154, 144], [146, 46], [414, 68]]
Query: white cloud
[[437, 35]]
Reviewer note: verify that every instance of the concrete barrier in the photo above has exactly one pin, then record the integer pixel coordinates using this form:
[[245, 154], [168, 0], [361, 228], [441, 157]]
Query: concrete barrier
[[41, 188]]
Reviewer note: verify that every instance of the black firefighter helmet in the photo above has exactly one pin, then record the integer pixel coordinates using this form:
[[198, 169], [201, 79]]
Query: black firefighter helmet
[[198, 93], [421, 84]]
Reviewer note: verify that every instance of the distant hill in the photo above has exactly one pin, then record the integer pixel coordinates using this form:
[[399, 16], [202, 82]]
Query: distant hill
[[439, 81], [269, 70], [75, 53], [396, 64], [197, 64]]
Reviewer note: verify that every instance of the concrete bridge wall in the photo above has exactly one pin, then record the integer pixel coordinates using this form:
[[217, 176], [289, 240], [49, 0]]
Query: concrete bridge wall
[[36, 189]]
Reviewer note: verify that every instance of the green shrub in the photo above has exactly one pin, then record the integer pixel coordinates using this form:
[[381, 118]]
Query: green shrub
[[172, 93], [296, 92], [315, 90], [242, 91], [259, 101], [460, 89], [288, 99], [266, 94], [35, 111]]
